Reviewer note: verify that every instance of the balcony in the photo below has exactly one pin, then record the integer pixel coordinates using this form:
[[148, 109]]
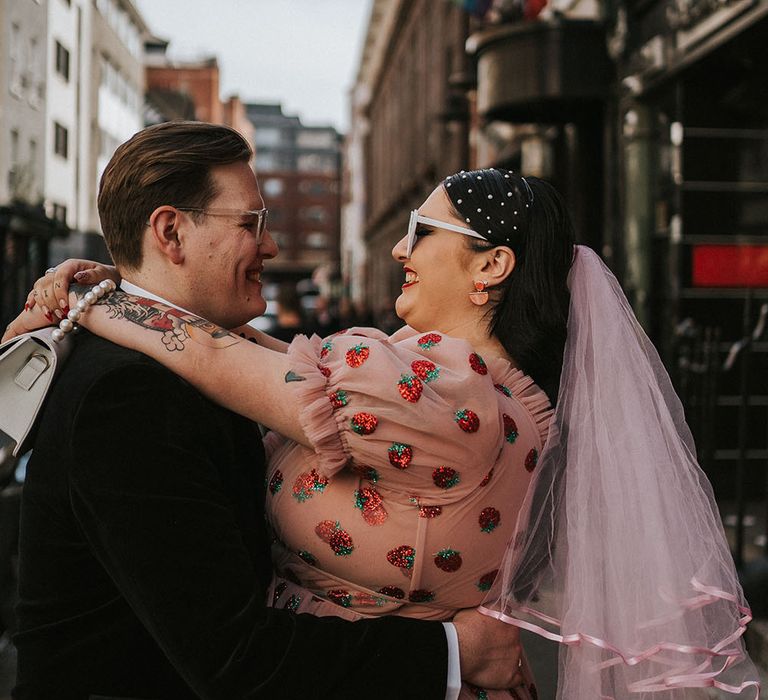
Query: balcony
[[540, 71]]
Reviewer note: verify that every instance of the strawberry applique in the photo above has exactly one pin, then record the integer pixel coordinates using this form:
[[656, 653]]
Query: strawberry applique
[[410, 387], [448, 560], [364, 423], [428, 341], [467, 420], [400, 455], [425, 370], [332, 534], [358, 354], [478, 364], [510, 429], [445, 477], [489, 519]]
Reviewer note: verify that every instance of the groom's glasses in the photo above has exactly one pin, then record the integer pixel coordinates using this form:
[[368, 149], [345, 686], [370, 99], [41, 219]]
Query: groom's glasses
[[254, 219]]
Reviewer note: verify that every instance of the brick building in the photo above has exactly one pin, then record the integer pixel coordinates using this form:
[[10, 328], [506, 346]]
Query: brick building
[[298, 167]]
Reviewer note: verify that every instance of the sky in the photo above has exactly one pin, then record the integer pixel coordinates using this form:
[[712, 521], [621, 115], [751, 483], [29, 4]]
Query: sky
[[302, 53]]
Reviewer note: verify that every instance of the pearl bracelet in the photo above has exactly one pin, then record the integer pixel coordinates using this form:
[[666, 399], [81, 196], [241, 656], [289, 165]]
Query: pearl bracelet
[[67, 325]]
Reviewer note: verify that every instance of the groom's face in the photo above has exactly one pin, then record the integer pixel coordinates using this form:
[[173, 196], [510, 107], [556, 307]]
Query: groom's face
[[223, 260]]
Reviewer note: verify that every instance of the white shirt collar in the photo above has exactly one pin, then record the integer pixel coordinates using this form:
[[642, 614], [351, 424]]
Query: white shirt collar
[[130, 288]]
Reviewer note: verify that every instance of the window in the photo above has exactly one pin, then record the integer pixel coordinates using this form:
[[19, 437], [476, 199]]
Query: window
[[316, 139], [62, 61], [273, 187], [316, 239], [33, 156], [267, 136], [265, 162], [60, 213], [315, 214], [15, 56], [316, 163], [280, 237], [315, 187], [14, 147], [60, 140]]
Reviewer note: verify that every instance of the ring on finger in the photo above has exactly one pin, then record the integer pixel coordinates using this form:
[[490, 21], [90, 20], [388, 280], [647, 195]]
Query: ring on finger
[[50, 269]]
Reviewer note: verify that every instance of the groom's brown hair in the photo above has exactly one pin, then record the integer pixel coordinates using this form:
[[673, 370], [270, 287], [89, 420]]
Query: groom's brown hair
[[167, 163]]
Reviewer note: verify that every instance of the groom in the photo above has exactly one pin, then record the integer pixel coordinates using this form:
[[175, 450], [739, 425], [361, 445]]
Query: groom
[[144, 557]]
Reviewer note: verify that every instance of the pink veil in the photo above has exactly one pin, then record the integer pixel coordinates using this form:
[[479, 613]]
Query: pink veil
[[620, 553]]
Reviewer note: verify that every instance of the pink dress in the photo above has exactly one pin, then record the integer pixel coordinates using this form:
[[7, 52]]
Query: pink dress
[[423, 453]]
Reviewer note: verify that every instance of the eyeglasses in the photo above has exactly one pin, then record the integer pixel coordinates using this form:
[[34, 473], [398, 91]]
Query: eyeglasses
[[416, 219], [260, 216]]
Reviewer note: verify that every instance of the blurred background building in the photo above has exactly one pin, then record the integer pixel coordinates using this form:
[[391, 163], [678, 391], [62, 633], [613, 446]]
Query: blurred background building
[[651, 116]]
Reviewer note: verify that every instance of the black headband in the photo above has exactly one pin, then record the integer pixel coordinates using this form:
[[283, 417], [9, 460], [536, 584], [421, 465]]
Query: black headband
[[495, 203]]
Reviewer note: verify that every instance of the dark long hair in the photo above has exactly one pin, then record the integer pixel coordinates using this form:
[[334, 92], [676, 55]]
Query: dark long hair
[[529, 216]]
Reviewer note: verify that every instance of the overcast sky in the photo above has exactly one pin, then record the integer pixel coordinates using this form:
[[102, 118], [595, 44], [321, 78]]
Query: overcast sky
[[303, 53]]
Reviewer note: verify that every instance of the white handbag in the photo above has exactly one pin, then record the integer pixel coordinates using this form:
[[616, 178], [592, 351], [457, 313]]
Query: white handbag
[[28, 365]]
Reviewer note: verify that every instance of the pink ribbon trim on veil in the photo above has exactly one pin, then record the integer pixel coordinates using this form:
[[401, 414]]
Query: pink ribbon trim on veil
[[674, 678]]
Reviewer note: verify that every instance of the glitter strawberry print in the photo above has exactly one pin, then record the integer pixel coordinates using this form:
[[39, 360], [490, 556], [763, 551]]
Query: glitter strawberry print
[[368, 473], [485, 582], [307, 485], [410, 387], [478, 692], [279, 590], [430, 511], [338, 398], [402, 556], [489, 519], [425, 370], [325, 371], [293, 603], [400, 455], [276, 482], [448, 560], [340, 597], [364, 423], [445, 477], [308, 557], [392, 592], [331, 532], [487, 478], [429, 340], [356, 355], [421, 595], [325, 348], [503, 389], [467, 420], [531, 459], [477, 363], [369, 501], [510, 429]]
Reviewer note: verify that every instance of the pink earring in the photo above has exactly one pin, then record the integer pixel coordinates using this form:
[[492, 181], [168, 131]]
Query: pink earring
[[479, 296]]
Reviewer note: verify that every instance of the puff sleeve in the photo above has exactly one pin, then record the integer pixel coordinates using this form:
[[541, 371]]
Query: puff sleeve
[[420, 415]]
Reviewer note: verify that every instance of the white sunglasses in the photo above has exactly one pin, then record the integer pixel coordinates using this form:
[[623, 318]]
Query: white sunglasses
[[416, 219]]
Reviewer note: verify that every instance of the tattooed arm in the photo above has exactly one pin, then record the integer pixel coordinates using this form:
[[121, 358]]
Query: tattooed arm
[[240, 375], [261, 338]]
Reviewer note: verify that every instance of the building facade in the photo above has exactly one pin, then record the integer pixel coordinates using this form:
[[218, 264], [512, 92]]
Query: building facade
[[410, 129], [22, 100], [298, 167]]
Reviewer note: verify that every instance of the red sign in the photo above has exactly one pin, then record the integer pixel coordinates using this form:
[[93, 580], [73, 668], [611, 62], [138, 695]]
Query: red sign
[[730, 266]]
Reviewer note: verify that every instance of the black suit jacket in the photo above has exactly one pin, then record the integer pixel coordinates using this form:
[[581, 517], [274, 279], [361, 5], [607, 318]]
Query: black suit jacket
[[144, 558]]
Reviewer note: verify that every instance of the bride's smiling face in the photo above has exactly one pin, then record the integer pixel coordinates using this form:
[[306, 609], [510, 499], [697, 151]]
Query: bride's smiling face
[[436, 277]]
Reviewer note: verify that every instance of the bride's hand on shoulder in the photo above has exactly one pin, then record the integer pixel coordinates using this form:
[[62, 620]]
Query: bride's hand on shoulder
[[50, 292], [31, 319]]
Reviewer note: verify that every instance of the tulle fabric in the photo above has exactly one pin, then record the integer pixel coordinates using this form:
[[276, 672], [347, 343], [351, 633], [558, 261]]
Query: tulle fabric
[[620, 553]]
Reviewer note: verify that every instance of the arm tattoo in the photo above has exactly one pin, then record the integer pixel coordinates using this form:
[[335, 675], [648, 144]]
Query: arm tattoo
[[177, 327], [291, 376]]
